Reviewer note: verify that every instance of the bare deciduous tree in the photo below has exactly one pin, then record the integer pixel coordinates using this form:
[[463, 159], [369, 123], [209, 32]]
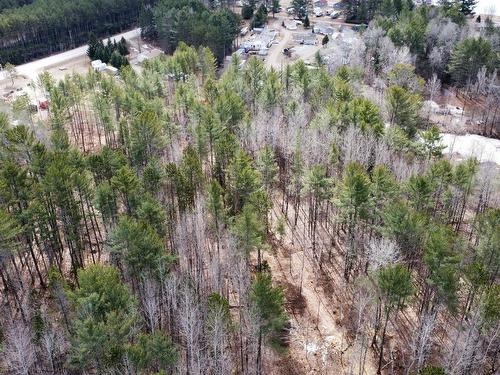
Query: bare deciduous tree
[[421, 342], [150, 302], [190, 323], [433, 86], [53, 347], [381, 253], [19, 352]]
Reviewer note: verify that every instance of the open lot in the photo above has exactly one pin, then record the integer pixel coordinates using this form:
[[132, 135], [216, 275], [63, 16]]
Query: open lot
[[59, 65], [291, 34]]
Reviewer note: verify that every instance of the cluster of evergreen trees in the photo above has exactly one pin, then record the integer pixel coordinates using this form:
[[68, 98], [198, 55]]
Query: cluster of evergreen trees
[[366, 10], [173, 21], [45, 27], [114, 53], [258, 15], [8, 4]]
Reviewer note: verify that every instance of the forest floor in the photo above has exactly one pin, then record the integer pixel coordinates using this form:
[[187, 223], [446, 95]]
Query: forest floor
[[461, 115], [320, 307], [315, 303]]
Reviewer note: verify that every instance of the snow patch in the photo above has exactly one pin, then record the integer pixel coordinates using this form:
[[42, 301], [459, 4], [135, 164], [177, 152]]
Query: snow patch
[[330, 339], [472, 145], [311, 347]]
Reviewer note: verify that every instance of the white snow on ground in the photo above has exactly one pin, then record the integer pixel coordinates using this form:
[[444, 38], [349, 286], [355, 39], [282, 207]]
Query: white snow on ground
[[488, 7], [311, 347], [32, 69], [471, 145], [491, 7]]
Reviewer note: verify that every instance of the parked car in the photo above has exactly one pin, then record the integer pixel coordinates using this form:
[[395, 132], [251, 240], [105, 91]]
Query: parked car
[[318, 12], [360, 27], [335, 15]]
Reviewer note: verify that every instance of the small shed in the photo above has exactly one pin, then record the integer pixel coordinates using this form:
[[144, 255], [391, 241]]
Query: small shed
[[323, 29], [290, 24], [98, 65], [111, 70]]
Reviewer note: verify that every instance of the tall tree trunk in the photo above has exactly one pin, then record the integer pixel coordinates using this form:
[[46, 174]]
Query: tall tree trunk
[[381, 355]]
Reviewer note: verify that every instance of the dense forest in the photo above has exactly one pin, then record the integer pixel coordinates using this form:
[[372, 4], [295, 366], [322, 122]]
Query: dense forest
[[186, 219], [48, 26], [190, 21], [8, 4], [367, 10], [45, 27]]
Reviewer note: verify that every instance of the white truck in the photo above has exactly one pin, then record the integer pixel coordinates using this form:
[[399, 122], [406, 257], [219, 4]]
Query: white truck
[[318, 12]]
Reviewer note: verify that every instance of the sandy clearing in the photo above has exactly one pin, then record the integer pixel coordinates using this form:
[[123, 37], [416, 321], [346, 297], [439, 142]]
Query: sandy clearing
[[32, 69]]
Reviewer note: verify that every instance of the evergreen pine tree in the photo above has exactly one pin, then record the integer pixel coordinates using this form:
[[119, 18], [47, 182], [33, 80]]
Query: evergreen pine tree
[[268, 302], [105, 314], [395, 287], [467, 6], [354, 201]]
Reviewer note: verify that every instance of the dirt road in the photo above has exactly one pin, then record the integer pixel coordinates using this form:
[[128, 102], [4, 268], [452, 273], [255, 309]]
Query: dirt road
[[275, 58]]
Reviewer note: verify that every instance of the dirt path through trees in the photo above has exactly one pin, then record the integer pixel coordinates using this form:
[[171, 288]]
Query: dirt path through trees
[[317, 340]]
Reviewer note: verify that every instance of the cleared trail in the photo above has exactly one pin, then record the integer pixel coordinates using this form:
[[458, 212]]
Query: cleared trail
[[317, 339]]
